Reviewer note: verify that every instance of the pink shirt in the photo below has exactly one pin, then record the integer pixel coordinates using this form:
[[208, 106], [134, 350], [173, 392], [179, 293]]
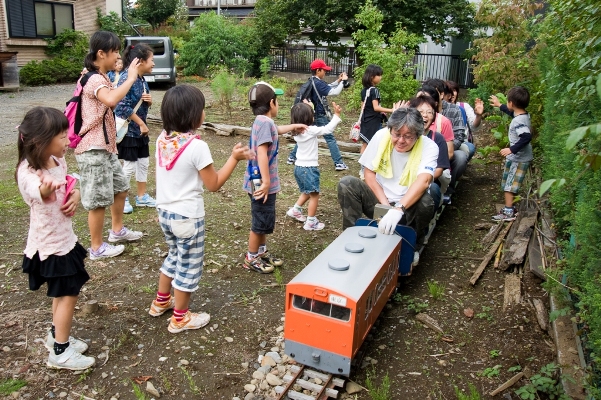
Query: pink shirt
[[50, 231], [446, 127], [92, 112]]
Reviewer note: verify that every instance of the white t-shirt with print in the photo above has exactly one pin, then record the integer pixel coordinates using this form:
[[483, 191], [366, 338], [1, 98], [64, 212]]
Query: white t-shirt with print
[[393, 191], [180, 189]]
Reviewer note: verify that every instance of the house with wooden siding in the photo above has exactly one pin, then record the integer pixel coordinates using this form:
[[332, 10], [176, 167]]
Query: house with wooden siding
[[24, 24]]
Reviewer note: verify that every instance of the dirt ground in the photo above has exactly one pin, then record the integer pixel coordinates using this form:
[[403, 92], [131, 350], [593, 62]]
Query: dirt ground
[[247, 308]]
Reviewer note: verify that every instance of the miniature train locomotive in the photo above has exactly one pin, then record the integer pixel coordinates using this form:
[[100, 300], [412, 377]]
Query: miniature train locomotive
[[333, 302]]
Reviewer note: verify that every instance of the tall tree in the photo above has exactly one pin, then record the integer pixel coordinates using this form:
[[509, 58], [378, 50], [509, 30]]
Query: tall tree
[[326, 19], [155, 12]]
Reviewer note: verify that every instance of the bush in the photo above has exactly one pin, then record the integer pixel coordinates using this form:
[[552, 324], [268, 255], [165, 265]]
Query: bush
[[218, 40], [113, 23], [67, 51], [223, 86]]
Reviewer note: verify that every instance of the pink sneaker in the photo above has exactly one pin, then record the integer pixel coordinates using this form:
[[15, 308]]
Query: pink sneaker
[[297, 215], [314, 225]]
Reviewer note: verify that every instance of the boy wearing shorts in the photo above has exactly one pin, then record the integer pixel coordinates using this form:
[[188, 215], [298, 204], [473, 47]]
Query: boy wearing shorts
[[264, 142], [519, 153]]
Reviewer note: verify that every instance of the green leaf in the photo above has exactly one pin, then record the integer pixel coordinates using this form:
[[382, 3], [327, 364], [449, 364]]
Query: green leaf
[[545, 186], [575, 136], [599, 86]]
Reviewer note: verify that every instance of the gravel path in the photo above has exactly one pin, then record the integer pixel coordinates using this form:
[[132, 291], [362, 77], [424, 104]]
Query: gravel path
[[14, 105]]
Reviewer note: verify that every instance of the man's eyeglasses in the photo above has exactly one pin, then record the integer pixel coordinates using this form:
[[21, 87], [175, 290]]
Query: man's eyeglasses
[[407, 138]]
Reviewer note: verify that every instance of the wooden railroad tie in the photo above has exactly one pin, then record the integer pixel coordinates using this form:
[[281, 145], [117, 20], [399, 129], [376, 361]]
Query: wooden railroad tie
[[301, 378]]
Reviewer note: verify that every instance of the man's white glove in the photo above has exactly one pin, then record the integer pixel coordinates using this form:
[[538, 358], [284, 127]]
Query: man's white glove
[[389, 221]]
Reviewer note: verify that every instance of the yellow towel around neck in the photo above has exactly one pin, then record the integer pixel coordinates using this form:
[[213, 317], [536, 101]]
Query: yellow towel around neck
[[382, 162]]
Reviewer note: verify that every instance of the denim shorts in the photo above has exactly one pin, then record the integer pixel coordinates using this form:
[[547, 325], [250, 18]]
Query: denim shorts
[[307, 179], [186, 239], [263, 215], [101, 178]]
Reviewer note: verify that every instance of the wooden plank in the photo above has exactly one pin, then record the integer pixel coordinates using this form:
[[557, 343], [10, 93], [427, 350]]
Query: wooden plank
[[429, 322], [535, 258], [314, 374], [507, 384], [492, 234], [299, 396], [296, 370], [489, 255], [542, 316], [513, 291], [311, 386], [516, 245]]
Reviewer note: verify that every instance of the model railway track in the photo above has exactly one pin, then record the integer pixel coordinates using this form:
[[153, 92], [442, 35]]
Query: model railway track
[[302, 375]]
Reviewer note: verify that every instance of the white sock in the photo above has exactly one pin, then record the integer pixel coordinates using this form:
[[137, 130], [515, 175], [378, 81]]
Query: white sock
[[298, 208], [311, 219]]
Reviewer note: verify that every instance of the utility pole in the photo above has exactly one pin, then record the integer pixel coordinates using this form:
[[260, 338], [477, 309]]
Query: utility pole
[[218, 7]]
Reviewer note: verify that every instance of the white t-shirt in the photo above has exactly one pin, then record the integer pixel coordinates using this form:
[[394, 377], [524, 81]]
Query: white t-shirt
[[307, 153], [393, 191], [179, 190]]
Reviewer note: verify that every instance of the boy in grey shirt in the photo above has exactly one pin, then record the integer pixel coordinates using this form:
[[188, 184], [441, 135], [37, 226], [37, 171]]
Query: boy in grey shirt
[[519, 153]]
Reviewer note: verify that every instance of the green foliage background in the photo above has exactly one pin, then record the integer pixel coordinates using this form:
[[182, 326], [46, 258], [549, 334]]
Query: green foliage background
[[67, 50]]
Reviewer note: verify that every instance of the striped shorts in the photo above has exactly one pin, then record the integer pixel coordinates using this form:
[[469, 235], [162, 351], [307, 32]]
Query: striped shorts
[[513, 175], [186, 238]]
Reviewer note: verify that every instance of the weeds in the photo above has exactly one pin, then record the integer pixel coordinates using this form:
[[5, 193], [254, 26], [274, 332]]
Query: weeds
[[436, 290], [515, 368], [193, 388], [415, 305], [491, 372], [8, 386], [485, 314], [148, 289], [279, 278], [381, 392], [473, 395], [84, 375], [138, 392], [543, 382], [494, 353]]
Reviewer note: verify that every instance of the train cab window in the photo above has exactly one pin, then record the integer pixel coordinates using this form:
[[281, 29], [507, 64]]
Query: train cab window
[[322, 308]]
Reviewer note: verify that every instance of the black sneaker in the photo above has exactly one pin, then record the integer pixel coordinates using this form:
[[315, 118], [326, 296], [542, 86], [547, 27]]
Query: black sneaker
[[340, 166], [291, 160], [271, 260]]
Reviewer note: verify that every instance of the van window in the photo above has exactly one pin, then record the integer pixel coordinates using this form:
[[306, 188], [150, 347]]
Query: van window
[[157, 46], [322, 308]]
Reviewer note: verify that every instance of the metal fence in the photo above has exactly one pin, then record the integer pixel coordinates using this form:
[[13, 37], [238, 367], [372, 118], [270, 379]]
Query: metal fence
[[427, 66]]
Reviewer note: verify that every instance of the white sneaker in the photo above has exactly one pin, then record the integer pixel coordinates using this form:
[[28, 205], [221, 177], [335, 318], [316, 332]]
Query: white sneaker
[[415, 259], [314, 225], [297, 215], [127, 208], [124, 236], [190, 321], [78, 345], [105, 251], [70, 359]]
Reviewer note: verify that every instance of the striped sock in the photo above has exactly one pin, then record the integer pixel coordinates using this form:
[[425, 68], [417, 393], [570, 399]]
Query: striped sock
[[163, 298], [179, 314]]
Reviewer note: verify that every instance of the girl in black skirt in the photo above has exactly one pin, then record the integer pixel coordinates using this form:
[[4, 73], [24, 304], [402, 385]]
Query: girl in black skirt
[[53, 255], [133, 149], [371, 122]]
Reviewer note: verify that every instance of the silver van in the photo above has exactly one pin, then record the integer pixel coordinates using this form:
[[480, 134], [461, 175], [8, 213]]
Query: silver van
[[164, 57]]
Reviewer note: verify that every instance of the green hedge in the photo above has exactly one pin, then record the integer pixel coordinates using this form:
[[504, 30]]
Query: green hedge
[[570, 37]]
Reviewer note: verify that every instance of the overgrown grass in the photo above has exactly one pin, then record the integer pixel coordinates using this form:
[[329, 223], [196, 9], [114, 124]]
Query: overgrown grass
[[8, 386]]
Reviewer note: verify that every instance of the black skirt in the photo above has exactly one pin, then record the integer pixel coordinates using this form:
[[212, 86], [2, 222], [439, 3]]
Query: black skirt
[[65, 274], [131, 148]]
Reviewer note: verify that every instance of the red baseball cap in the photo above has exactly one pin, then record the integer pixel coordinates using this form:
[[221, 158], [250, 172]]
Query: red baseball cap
[[320, 64]]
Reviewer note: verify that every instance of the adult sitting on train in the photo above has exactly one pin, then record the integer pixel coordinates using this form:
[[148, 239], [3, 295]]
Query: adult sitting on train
[[399, 167]]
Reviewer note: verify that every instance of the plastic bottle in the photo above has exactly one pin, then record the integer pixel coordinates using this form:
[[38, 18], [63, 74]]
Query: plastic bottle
[[255, 178]]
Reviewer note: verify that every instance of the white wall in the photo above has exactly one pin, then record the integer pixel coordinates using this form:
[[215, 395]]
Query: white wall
[[114, 5]]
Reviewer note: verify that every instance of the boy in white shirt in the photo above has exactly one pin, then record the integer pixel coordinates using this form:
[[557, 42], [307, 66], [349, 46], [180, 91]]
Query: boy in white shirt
[[306, 170]]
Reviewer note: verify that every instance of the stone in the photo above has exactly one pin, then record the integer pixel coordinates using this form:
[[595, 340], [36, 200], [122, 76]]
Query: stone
[[62, 394], [229, 339], [352, 387], [263, 344], [258, 375], [268, 361], [161, 359], [265, 369], [250, 388], [273, 380], [244, 365], [279, 328], [152, 390], [184, 362], [276, 349], [6, 349], [274, 356], [104, 375], [249, 396], [264, 385]]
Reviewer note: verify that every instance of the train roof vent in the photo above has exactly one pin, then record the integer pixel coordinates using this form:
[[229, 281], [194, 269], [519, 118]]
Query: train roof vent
[[338, 264], [367, 233], [354, 248]]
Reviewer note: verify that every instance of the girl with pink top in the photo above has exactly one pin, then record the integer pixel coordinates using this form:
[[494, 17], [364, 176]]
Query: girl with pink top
[[53, 255]]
